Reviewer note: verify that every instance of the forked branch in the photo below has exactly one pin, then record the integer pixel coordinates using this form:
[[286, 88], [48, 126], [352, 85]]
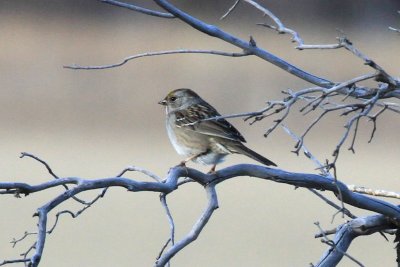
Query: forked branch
[[170, 184]]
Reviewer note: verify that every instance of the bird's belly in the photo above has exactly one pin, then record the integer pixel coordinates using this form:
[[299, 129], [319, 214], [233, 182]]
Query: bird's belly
[[186, 145], [210, 158], [190, 143]]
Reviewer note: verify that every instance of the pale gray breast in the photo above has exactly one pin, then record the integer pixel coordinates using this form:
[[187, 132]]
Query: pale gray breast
[[185, 140]]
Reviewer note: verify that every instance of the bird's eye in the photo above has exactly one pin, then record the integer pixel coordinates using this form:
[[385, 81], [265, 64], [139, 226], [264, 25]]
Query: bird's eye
[[173, 98]]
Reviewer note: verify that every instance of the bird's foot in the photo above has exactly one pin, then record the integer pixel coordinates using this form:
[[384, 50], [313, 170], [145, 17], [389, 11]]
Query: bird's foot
[[212, 171], [182, 164]]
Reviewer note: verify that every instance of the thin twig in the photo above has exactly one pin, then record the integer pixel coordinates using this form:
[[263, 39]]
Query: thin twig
[[163, 248], [26, 154], [374, 119], [281, 28], [394, 29], [325, 233], [398, 31], [49, 169], [171, 239], [5, 262], [139, 9], [139, 169], [353, 140], [26, 234], [163, 199], [150, 54], [307, 153], [332, 244], [373, 192], [326, 173], [230, 10], [197, 228], [385, 77], [339, 209]]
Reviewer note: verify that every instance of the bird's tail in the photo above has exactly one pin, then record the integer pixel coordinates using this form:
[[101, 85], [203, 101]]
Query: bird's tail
[[242, 149]]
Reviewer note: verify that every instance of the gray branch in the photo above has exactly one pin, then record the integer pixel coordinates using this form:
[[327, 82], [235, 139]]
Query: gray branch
[[347, 232], [253, 49], [249, 47], [197, 228], [281, 28], [170, 183], [159, 53], [139, 9]]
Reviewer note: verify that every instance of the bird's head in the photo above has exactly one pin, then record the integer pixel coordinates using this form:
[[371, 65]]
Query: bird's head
[[180, 99]]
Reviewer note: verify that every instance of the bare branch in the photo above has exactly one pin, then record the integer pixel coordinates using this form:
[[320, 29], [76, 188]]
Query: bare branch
[[197, 228], [314, 102], [343, 42], [163, 199], [325, 172], [150, 54], [163, 248], [335, 248], [373, 118], [339, 208], [210, 180], [384, 76], [230, 10], [280, 28], [346, 233], [307, 153], [230, 116], [366, 107], [325, 232], [73, 215], [25, 154], [214, 31], [395, 29], [373, 192], [14, 261], [26, 234], [248, 47], [185, 181], [139, 169], [139, 9], [353, 140], [362, 109]]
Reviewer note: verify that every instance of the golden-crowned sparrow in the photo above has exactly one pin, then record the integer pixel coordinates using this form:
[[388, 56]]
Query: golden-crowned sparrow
[[200, 140]]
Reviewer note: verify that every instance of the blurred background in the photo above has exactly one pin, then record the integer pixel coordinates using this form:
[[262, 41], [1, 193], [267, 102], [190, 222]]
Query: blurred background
[[92, 124]]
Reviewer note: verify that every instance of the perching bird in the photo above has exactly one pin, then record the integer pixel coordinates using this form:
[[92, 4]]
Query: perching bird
[[200, 140]]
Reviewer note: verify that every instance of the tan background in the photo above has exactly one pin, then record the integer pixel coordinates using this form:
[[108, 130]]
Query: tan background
[[92, 124]]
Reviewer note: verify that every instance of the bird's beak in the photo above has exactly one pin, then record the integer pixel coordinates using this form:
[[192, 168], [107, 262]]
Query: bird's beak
[[163, 102]]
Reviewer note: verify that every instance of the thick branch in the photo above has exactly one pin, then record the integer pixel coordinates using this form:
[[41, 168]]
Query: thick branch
[[210, 180], [249, 47], [346, 233], [306, 180]]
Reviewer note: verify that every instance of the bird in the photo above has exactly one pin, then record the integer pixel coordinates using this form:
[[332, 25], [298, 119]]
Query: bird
[[197, 137]]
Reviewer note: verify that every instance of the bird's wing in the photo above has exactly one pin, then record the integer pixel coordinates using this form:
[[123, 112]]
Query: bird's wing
[[193, 117]]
